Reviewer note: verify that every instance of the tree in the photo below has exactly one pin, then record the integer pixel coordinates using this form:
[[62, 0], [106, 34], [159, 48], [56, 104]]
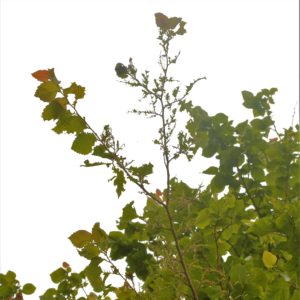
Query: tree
[[236, 238]]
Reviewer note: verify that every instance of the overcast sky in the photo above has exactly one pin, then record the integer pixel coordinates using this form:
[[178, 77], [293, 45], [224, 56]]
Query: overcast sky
[[45, 194]]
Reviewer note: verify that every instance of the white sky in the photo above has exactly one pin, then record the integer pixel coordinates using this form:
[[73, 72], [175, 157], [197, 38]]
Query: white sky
[[45, 194]]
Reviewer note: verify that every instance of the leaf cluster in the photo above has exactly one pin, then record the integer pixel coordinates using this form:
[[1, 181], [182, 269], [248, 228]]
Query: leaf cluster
[[236, 238], [11, 289]]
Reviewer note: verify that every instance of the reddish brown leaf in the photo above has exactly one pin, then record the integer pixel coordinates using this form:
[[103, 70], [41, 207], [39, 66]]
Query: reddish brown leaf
[[41, 75], [161, 21], [19, 296], [65, 265], [158, 192]]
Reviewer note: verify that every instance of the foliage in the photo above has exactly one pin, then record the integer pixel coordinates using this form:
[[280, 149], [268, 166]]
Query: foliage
[[236, 238], [11, 289]]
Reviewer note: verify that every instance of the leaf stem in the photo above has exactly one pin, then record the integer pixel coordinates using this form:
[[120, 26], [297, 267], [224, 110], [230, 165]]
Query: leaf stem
[[164, 145], [115, 268]]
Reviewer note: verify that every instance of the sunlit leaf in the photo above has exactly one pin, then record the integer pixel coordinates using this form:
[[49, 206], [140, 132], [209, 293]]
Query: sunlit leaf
[[269, 259], [203, 218], [80, 238]]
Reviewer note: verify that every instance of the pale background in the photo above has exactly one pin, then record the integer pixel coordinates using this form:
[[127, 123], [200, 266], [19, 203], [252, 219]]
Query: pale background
[[45, 194]]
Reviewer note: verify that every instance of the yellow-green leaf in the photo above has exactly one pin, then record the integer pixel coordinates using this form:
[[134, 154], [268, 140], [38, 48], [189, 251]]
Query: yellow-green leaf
[[58, 275], [269, 259], [47, 91], [28, 289], [92, 296], [53, 111], [77, 90], [80, 238], [83, 143], [203, 219]]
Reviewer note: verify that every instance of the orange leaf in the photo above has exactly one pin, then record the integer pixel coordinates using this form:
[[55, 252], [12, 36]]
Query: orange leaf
[[41, 75]]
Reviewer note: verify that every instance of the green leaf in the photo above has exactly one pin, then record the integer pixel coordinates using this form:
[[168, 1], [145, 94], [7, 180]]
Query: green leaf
[[269, 259], [125, 293], [229, 231], [248, 96], [181, 30], [83, 143], [211, 148], [52, 111], [119, 181], [80, 238], [263, 226], [92, 296], [211, 171], [283, 222], [138, 261], [101, 151], [218, 183], [98, 234], [88, 164], [173, 22], [203, 218], [142, 171], [258, 174], [121, 70], [93, 272], [238, 273], [49, 294], [120, 247], [10, 276], [296, 295], [69, 123], [28, 289], [58, 275], [75, 89], [278, 290], [129, 213], [89, 251], [6, 291], [47, 91]]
